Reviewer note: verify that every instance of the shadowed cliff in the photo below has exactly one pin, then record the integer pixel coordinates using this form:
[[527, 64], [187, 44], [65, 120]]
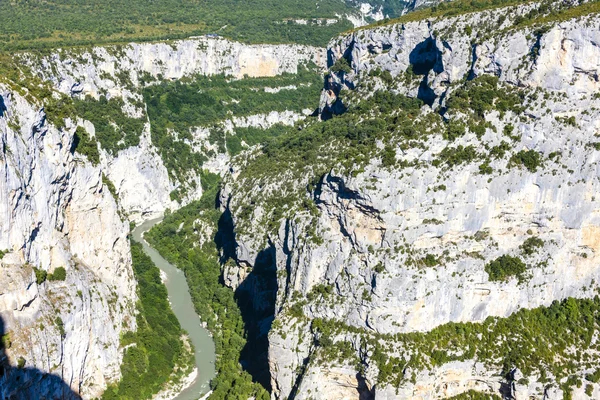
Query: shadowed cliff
[[29, 383]]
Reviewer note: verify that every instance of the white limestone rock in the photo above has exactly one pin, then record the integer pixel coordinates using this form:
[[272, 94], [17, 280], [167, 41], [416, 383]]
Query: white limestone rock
[[56, 213]]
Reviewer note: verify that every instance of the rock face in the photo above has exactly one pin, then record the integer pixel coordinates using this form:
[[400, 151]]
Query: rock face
[[56, 212], [382, 218], [94, 72], [138, 173]]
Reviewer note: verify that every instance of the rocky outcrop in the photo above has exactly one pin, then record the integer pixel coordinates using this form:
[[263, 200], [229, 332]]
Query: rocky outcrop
[[116, 70], [56, 213], [563, 56]]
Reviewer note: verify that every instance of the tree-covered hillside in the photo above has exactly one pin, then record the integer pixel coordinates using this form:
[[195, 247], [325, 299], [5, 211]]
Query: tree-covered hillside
[[41, 24]]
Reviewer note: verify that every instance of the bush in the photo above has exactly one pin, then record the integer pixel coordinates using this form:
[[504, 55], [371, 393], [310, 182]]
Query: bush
[[60, 325], [531, 244], [530, 159], [85, 145], [341, 65], [454, 130], [430, 260], [388, 157], [505, 267], [475, 395], [59, 274], [453, 156], [485, 168], [21, 363], [40, 275]]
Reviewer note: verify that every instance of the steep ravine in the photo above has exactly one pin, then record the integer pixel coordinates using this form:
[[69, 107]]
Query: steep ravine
[[63, 206], [181, 303]]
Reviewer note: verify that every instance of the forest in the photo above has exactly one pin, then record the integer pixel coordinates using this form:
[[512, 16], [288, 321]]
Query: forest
[[38, 24], [204, 101]]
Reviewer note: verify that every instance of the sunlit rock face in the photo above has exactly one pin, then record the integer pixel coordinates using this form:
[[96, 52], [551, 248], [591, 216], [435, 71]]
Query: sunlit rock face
[[57, 213], [381, 218]]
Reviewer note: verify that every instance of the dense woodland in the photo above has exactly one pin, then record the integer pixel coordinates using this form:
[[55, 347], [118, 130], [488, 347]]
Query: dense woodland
[[46, 24], [206, 101]]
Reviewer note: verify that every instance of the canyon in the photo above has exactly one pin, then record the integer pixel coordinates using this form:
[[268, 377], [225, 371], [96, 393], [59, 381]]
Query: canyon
[[369, 229]]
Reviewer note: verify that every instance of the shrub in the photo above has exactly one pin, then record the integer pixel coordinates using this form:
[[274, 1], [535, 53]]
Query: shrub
[[456, 155], [530, 159], [528, 247], [485, 169], [454, 130], [388, 157], [505, 267], [85, 145], [475, 395], [60, 326], [430, 260], [341, 65], [21, 363], [40, 275], [59, 274]]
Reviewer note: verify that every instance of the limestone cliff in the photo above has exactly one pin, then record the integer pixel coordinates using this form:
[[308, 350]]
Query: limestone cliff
[[59, 212], [403, 248], [56, 213], [138, 173]]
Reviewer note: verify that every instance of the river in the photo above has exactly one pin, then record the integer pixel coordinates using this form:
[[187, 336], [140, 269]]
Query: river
[[181, 303]]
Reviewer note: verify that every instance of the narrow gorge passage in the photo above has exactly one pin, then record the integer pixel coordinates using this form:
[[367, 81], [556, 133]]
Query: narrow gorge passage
[[181, 303]]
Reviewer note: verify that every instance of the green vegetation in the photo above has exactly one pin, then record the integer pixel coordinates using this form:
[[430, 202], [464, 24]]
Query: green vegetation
[[214, 302], [45, 24], [205, 101], [110, 186], [348, 140], [86, 145], [430, 260], [60, 325], [40, 275], [5, 342], [252, 136], [114, 130], [531, 244], [537, 341], [59, 274], [21, 363], [475, 395], [530, 159], [505, 267], [484, 94], [452, 156], [156, 348], [341, 65]]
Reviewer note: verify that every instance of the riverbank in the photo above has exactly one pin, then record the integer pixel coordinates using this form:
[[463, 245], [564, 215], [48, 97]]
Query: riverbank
[[183, 308]]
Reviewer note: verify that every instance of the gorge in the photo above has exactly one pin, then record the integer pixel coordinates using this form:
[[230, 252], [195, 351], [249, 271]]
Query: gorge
[[408, 213]]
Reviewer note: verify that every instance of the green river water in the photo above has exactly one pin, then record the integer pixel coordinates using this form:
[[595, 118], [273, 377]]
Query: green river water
[[181, 303]]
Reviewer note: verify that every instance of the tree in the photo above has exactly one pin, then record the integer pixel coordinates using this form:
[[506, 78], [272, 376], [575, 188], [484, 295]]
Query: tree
[[341, 65]]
